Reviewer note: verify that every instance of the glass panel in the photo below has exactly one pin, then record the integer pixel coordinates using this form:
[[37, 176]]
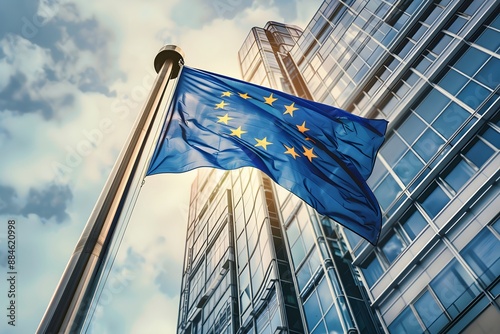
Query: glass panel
[[405, 323], [453, 81], [478, 152], [457, 174], [450, 120], [393, 149], [392, 247], [320, 329], [473, 94], [312, 311], [372, 271], [298, 252], [428, 310], [457, 24], [433, 200], [482, 255], [408, 167], [489, 39], [471, 61], [451, 286], [427, 145], [303, 276], [325, 296], [411, 128], [332, 320], [432, 105], [387, 191], [492, 136], [378, 172], [489, 75], [414, 224], [293, 231]]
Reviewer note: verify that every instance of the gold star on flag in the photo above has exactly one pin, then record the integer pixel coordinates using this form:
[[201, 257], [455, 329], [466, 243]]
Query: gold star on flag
[[309, 153], [237, 132], [224, 119], [221, 105], [270, 99], [290, 109], [244, 96], [302, 128], [262, 142], [291, 151], [226, 94]]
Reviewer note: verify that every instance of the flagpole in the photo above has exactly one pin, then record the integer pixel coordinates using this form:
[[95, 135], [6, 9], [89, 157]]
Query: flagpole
[[69, 305]]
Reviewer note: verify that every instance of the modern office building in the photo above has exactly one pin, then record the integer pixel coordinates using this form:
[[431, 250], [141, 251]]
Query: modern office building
[[258, 260]]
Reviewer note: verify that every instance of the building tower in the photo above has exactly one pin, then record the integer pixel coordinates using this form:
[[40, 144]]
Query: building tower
[[432, 68], [271, 264]]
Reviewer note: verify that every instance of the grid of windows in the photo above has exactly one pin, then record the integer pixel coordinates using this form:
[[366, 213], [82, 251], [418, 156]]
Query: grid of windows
[[436, 196], [320, 312], [449, 293]]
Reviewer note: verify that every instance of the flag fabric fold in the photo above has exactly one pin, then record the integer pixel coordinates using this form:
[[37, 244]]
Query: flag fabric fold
[[320, 153]]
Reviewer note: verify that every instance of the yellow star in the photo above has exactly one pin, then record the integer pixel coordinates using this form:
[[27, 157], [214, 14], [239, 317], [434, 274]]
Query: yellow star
[[270, 99], [244, 96], [291, 151], [302, 128], [309, 153], [262, 142], [221, 105], [237, 132], [290, 109], [224, 119], [226, 94]]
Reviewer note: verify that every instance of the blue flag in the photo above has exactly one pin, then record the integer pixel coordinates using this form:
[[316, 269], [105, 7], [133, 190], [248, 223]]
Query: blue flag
[[320, 153]]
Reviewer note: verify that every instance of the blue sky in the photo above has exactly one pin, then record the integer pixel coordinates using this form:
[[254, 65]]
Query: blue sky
[[73, 76]]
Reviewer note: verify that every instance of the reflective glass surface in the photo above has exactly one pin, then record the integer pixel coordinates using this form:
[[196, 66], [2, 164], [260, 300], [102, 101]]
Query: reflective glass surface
[[372, 271], [482, 254], [414, 223], [392, 247], [433, 200], [405, 323]]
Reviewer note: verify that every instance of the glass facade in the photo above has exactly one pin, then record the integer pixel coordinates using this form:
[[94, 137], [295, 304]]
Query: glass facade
[[432, 68], [259, 260]]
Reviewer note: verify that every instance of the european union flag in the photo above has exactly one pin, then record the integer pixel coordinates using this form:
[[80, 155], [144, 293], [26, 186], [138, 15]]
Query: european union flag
[[320, 153]]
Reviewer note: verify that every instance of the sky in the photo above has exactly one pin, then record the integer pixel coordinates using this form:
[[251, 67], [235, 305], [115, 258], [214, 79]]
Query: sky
[[73, 77]]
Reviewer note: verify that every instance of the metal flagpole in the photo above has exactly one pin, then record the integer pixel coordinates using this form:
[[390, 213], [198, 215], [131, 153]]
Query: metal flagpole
[[68, 307]]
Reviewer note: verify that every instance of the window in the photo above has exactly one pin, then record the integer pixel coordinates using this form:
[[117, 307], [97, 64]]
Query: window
[[473, 94], [450, 120], [413, 223], [453, 81], [411, 128], [482, 256], [392, 247], [408, 167], [491, 135], [457, 173], [452, 287], [471, 61], [432, 105], [405, 323], [433, 199], [312, 311], [372, 271], [393, 149], [387, 191], [478, 152], [430, 312], [428, 144], [490, 39]]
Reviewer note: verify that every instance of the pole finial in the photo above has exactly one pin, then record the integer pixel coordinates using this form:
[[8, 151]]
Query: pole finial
[[169, 52]]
